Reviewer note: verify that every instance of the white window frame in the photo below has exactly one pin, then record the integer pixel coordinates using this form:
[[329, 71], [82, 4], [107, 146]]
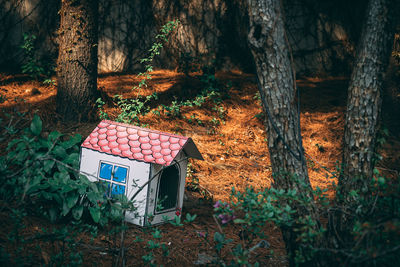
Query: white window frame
[[111, 181]]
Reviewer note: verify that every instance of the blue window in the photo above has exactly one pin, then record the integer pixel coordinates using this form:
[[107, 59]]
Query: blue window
[[105, 171], [115, 177], [118, 189], [119, 174]]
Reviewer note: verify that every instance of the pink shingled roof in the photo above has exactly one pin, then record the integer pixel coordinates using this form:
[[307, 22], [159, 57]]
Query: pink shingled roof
[[133, 142]]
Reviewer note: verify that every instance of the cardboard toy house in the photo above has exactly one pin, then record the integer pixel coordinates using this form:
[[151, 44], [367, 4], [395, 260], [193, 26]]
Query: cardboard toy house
[[126, 157]]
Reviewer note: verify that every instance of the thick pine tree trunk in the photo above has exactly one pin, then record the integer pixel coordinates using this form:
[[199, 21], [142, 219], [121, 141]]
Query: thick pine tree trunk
[[77, 60], [277, 88], [364, 98]]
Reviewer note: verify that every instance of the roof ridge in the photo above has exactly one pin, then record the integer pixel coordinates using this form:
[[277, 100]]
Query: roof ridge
[[144, 129]]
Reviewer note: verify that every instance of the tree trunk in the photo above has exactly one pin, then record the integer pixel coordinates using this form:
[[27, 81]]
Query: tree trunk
[[270, 50], [77, 60], [364, 98]]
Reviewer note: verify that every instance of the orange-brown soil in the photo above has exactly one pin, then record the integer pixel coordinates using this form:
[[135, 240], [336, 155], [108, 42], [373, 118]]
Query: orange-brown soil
[[235, 151]]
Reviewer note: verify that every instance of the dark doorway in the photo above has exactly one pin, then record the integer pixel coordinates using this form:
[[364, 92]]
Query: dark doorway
[[167, 196]]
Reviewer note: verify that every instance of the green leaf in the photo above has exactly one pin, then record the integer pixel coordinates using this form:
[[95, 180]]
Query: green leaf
[[218, 237], [95, 213], [13, 143], [53, 136], [385, 131], [36, 125], [71, 199], [287, 208], [61, 168], [34, 185], [353, 193], [94, 197], [60, 152], [77, 212], [48, 165], [116, 213], [53, 214], [176, 221], [147, 258], [65, 208], [157, 233], [74, 140], [72, 159], [152, 245], [239, 221], [190, 218]]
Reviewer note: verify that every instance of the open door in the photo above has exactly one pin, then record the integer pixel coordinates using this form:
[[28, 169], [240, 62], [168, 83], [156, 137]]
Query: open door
[[168, 190]]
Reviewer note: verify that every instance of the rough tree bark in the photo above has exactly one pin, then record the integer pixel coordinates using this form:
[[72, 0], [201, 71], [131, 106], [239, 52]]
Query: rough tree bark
[[269, 46], [364, 97], [77, 60]]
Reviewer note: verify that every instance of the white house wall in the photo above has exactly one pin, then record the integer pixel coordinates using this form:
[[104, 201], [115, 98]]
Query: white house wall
[[138, 175]]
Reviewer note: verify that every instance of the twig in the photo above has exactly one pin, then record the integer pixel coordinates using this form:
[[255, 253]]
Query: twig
[[220, 229], [386, 169], [121, 254], [383, 253], [68, 167], [27, 15], [217, 223], [322, 166], [374, 205]]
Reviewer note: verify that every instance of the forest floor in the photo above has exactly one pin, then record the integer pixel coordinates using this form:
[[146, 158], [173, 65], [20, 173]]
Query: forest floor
[[231, 140]]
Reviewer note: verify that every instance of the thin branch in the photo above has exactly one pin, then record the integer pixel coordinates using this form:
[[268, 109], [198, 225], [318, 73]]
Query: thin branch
[[322, 166]]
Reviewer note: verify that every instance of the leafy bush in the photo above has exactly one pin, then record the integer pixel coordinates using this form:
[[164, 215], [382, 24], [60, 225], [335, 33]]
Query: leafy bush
[[132, 109], [373, 239], [39, 176], [42, 173], [33, 66], [252, 210], [212, 91]]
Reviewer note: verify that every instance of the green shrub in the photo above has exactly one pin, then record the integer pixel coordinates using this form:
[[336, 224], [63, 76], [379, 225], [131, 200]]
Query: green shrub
[[374, 238], [44, 173], [32, 65], [39, 176], [132, 109]]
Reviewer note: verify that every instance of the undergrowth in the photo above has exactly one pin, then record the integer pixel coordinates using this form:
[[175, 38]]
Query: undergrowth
[[40, 179], [372, 241], [131, 110], [36, 68]]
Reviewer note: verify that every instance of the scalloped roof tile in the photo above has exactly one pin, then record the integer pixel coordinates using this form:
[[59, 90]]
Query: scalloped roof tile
[[128, 141]]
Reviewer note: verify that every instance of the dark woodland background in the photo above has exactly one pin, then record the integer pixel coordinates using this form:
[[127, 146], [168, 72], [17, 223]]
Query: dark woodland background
[[323, 34]]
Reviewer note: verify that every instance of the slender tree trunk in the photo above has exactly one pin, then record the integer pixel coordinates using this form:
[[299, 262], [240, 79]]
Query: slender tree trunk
[[364, 98], [270, 50], [77, 60]]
